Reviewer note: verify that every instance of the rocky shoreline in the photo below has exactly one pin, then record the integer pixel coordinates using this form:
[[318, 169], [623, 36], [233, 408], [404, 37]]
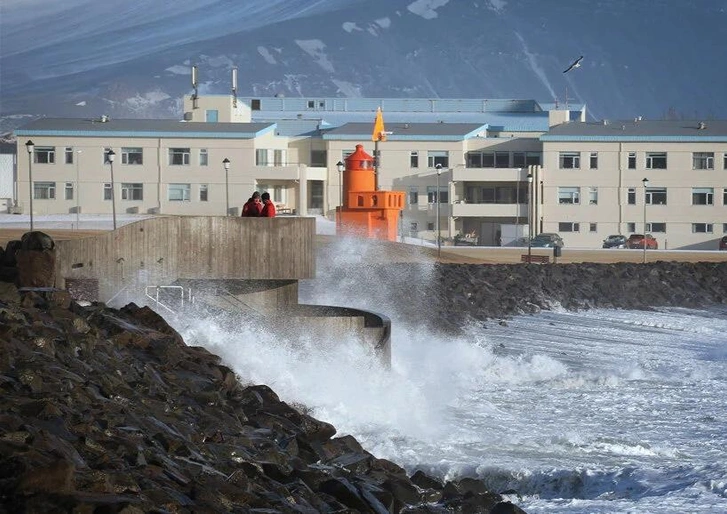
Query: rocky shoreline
[[447, 297], [109, 411]]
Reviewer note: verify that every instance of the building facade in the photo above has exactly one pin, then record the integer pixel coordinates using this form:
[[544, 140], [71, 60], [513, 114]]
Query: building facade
[[473, 156]]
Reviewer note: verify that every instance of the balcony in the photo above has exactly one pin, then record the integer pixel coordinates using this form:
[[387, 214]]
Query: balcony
[[477, 210], [489, 174]]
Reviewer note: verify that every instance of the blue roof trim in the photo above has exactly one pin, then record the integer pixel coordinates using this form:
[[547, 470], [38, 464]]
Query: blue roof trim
[[664, 139], [392, 137], [151, 134]]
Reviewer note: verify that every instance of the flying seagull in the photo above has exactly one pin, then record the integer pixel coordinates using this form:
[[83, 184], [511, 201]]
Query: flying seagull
[[576, 64]]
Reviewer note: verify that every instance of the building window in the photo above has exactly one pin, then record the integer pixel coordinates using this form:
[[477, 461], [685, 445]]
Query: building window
[[569, 195], [632, 160], [702, 228], [261, 157], [524, 159], [132, 191], [69, 155], [345, 154], [132, 156], [569, 226], [279, 157], [318, 158], [413, 229], [413, 159], [69, 191], [594, 160], [179, 192], [656, 196], [430, 226], [724, 197], [655, 160], [703, 160], [203, 157], [631, 196], [44, 190], [432, 194], [255, 104], [631, 227], [593, 227], [203, 192], [438, 157], [592, 196], [724, 161], [179, 156], [724, 228], [44, 155], [655, 227], [570, 160], [413, 195], [702, 196], [107, 191]]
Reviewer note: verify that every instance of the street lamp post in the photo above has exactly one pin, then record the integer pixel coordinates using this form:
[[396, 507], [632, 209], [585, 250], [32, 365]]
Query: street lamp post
[[110, 155], [645, 181], [530, 206], [78, 190], [341, 168], [30, 147], [439, 236], [226, 164]]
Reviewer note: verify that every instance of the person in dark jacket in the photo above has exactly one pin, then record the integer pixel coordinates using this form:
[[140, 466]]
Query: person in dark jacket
[[268, 206], [253, 207]]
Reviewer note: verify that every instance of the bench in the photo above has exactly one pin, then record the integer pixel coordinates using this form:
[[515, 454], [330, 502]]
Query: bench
[[540, 259]]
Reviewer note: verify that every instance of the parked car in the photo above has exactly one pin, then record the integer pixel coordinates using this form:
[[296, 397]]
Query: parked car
[[615, 241], [723, 243], [637, 241], [546, 240]]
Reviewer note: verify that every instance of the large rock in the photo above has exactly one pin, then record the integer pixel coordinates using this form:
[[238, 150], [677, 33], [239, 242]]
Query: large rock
[[36, 260]]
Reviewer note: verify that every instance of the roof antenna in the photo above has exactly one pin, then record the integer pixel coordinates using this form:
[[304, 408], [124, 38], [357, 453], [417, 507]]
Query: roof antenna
[[194, 86], [234, 87]]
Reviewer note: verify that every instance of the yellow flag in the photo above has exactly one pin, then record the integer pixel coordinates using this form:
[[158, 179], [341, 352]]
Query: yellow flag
[[379, 132]]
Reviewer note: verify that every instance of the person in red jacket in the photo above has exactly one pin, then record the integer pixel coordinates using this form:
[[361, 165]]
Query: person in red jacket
[[253, 207], [268, 206]]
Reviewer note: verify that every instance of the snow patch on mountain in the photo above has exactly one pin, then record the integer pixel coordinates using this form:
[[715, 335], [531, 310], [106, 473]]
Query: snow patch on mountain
[[427, 9], [179, 69], [265, 53], [384, 23], [497, 5], [315, 48], [350, 26], [348, 89], [537, 69]]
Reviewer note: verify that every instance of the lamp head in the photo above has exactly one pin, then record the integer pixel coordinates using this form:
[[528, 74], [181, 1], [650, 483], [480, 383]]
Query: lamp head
[[439, 169], [530, 177], [226, 163], [340, 166], [645, 181], [30, 146], [111, 155]]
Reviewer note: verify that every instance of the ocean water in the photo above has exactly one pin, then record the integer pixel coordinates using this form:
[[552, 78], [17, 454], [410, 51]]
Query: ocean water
[[601, 411]]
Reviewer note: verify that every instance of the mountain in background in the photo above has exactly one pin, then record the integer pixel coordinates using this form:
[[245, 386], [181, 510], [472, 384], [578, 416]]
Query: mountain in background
[[83, 58]]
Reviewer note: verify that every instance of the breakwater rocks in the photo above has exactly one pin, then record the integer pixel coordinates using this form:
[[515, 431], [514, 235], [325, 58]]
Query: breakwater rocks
[[446, 297], [108, 411]]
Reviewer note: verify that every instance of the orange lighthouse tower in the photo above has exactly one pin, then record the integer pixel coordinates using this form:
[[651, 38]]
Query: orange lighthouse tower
[[367, 212]]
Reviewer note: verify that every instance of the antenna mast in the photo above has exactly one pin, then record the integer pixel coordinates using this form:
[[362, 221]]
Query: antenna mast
[[234, 86], [194, 86]]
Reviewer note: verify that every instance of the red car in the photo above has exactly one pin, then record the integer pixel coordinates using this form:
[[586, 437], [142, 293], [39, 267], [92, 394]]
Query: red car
[[723, 243], [637, 241]]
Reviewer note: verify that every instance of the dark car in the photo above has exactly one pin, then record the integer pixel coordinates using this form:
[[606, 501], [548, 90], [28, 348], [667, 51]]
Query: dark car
[[637, 241], [615, 241], [723, 243], [546, 240]]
